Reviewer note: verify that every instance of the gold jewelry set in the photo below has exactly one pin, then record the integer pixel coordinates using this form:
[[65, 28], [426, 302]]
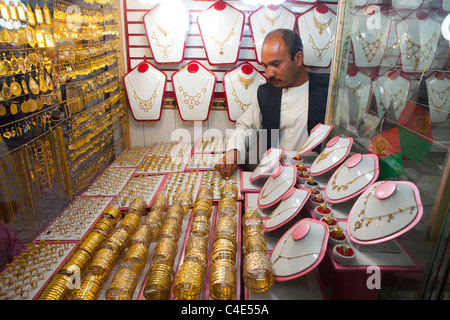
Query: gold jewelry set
[[345, 186], [319, 52], [193, 100], [220, 45], [370, 49], [245, 83], [438, 98], [365, 221]]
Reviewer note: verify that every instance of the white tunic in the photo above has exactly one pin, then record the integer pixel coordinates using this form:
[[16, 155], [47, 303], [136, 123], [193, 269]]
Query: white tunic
[[293, 122]]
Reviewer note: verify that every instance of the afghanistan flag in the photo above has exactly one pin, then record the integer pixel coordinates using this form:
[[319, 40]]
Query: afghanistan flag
[[386, 145]]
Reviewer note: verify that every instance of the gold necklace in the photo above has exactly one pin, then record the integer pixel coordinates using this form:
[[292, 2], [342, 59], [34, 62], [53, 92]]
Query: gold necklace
[[418, 52], [321, 26], [223, 43], [440, 96], [305, 145], [317, 49], [355, 89], [325, 155], [280, 256], [193, 100], [246, 82], [278, 213], [272, 20], [164, 48], [243, 106], [344, 187], [262, 30], [263, 196], [145, 104], [388, 216], [369, 48]]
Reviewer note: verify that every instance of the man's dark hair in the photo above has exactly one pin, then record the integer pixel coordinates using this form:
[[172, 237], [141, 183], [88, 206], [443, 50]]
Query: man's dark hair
[[291, 38]]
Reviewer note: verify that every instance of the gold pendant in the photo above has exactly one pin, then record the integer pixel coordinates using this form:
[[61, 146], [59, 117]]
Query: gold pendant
[[30, 15], [25, 107], [15, 88], [47, 15], [6, 92], [12, 11], [2, 68], [13, 109], [49, 82], [42, 85], [40, 103], [31, 36], [27, 63], [32, 84], [33, 105], [14, 64], [40, 39], [2, 110], [4, 11], [7, 36], [24, 86], [38, 14], [22, 67], [6, 64], [21, 12]]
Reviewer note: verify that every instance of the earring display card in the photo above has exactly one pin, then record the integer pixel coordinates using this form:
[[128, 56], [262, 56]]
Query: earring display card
[[153, 164], [73, 223], [182, 181]]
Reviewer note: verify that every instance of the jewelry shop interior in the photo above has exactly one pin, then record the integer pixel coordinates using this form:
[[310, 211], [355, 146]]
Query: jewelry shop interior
[[113, 115]]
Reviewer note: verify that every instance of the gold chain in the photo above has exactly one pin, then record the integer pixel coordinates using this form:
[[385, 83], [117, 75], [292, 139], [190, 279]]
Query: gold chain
[[440, 96], [344, 187], [369, 48], [145, 104], [389, 216], [193, 100], [246, 82], [321, 26], [223, 43], [263, 196]]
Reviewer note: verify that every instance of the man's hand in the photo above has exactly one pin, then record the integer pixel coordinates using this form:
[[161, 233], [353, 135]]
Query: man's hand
[[228, 164]]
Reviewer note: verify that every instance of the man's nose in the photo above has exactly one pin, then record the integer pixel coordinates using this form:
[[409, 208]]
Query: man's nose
[[270, 72]]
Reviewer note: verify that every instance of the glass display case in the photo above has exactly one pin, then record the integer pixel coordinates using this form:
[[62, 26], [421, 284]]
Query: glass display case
[[389, 91]]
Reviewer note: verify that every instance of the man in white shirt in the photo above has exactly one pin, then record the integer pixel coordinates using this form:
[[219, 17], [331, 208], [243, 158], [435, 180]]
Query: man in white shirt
[[281, 107]]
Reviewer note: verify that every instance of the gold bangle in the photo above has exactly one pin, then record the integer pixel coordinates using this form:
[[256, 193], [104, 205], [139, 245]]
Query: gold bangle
[[159, 282]]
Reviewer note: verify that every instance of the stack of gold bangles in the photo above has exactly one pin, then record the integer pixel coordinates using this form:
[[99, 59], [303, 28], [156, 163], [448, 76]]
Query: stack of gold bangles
[[188, 283], [222, 278], [161, 275], [229, 190], [257, 267], [61, 285]]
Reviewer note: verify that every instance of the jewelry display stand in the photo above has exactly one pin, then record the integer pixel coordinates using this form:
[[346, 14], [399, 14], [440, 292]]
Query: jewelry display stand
[[270, 159], [391, 89], [317, 135], [317, 28], [281, 181], [145, 87], [369, 41], [266, 19], [353, 177], [167, 33], [438, 97], [299, 250], [358, 87], [291, 204], [418, 36], [336, 150], [194, 86], [240, 86], [384, 211], [221, 27]]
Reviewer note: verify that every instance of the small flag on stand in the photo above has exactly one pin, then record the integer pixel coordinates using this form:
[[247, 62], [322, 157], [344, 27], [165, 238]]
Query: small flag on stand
[[386, 145]]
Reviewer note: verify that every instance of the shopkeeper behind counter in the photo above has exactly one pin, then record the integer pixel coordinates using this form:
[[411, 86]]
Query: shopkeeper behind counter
[[288, 106]]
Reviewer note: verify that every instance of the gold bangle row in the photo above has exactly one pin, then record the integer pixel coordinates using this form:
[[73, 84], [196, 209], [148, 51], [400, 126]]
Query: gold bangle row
[[202, 207], [154, 220], [222, 280], [104, 225], [184, 198], [103, 262], [130, 222], [90, 288], [57, 289], [160, 203], [200, 227], [159, 282], [254, 242], [113, 213], [188, 281], [229, 190], [227, 207], [138, 206], [175, 212], [223, 249], [165, 251], [143, 235], [80, 259], [122, 285], [171, 228], [226, 227], [257, 272], [205, 193], [91, 242], [118, 240], [136, 257]]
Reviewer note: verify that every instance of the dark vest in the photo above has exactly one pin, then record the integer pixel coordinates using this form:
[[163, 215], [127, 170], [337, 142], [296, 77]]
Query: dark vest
[[269, 100]]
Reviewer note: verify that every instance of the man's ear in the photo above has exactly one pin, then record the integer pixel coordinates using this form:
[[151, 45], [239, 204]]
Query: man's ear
[[299, 58]]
